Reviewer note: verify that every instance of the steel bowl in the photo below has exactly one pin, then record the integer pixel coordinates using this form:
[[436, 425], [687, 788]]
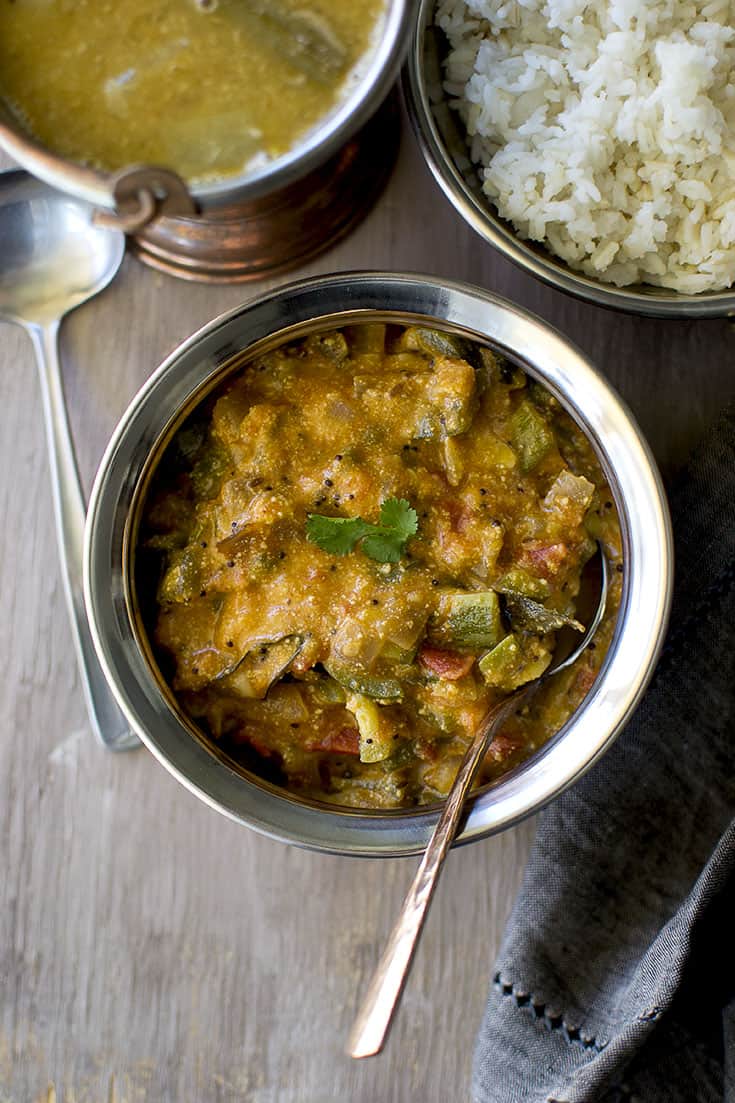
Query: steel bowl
[[201, 363], [317, 146], [443, 142]]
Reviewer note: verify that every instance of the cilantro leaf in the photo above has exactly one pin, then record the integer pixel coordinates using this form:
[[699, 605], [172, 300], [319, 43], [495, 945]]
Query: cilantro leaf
[[384, 542], [383, 547], [337, 535], [397, 514]]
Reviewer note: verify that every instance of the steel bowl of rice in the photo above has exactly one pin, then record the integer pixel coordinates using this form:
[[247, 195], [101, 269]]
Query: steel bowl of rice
[[591, 143]]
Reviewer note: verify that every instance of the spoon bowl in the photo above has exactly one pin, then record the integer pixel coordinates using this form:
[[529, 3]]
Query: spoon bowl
[[52, 259]]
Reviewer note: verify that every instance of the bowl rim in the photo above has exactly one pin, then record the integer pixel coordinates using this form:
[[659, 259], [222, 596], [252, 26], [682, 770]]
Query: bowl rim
[[532, 258], [385, 55], [340, 299]]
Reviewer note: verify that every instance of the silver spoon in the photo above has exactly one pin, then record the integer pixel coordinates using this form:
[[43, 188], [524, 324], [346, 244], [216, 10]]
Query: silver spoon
[[52, 259], [384, 992]]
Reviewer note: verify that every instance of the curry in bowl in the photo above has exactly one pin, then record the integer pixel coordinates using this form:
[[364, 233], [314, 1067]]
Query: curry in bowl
[[209, 88], [361, 542]]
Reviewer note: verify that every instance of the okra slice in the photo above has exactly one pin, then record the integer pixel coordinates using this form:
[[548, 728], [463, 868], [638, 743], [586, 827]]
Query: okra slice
[[326, 691], [433, 343], [514, 661], [520, 582], [180, 582], [262, 667], [377, 728], [467, 621], [367, 685], [534, 617], [450, 391], [399, 656], [532, 436]]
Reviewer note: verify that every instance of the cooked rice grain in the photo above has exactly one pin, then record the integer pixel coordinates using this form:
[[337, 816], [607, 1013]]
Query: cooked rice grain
[[605, 130]]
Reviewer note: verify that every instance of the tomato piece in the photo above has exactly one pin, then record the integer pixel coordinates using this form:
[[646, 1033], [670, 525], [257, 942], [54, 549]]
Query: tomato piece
[[344, 741], [449, 665], [254, 739], [503, 747], [545, 558]]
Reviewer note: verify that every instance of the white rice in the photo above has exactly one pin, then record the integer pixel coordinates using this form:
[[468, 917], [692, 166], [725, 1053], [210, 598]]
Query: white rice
[[606, 129]]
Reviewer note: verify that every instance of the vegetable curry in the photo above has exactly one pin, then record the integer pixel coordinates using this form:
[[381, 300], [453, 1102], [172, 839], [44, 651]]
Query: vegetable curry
[[207, 87], [366, 539]]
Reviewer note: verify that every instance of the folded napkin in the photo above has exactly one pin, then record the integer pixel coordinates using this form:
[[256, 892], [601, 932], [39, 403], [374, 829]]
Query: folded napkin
[[616, 976]]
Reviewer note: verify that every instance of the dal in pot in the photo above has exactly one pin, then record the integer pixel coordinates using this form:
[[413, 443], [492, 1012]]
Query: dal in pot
[[207, 89]]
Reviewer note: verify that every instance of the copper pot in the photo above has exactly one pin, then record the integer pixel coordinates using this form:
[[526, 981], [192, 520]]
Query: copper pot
[[261, 221]]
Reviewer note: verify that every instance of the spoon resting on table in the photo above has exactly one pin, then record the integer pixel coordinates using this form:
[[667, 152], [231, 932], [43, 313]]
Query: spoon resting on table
[[53, 259], [384, 992]]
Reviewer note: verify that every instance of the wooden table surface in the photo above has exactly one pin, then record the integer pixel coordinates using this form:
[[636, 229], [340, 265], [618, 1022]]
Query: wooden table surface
[[151, 951]]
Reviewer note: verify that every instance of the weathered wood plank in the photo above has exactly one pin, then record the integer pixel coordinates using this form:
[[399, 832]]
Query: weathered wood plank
[[150, 950]]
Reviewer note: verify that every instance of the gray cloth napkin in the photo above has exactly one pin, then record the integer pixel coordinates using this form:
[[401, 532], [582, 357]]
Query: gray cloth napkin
[[616, 976]]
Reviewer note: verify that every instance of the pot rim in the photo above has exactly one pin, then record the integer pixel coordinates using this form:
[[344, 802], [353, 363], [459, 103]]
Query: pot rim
[[541, 350], [477, 213], [95, 186]]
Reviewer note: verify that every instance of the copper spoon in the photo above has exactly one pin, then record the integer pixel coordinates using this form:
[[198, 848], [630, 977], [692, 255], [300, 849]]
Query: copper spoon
[[384, 992]]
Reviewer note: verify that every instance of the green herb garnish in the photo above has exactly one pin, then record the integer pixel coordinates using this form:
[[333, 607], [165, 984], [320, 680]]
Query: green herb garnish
[[384, 542]]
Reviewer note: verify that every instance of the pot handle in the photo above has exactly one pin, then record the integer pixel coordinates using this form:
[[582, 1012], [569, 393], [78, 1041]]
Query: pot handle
[[142, 193]]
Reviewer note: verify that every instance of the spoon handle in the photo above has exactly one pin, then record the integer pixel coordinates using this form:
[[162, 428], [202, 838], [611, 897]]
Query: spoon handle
[[108, 722], [376, 1013]]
